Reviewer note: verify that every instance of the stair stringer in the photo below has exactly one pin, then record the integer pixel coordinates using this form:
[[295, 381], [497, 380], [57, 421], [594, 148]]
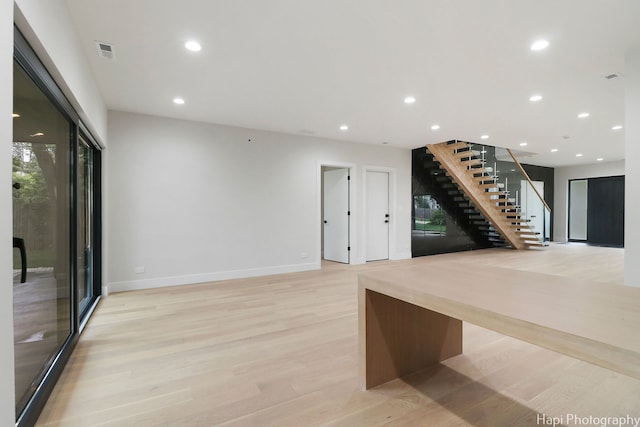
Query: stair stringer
[[515, 236]]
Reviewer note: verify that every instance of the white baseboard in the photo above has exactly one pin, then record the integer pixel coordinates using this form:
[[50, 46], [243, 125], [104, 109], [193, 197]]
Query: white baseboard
[[160, 282], [402, 255]]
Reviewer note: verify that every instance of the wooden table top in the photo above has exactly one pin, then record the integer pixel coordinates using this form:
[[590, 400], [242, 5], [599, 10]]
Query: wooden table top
[[594, 322]]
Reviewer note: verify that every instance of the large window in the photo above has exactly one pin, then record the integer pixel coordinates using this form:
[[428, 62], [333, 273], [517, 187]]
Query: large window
[[55, 189]]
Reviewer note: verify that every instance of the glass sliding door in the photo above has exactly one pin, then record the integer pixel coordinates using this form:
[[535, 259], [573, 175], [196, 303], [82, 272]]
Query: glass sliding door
[[42, 309], [84, 232], [56, 230]]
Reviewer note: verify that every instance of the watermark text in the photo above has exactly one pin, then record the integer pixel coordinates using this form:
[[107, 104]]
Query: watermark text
[[590, 420]]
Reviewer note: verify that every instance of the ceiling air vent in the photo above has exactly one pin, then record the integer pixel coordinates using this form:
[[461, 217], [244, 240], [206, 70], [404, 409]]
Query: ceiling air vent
[[105, 50]]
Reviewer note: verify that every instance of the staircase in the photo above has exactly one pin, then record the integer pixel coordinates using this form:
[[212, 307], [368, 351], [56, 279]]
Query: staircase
[[485, 193], [430, 179]]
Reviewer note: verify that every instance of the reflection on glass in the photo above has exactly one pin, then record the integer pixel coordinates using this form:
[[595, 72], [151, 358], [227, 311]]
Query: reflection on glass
[[41, 217], [429, 216]]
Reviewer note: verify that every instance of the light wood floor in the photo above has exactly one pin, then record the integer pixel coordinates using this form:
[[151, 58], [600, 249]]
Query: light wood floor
[[282, 351]]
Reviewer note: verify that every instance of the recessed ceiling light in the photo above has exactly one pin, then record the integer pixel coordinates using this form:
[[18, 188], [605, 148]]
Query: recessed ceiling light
[[178, 101], [578, 155], [344, 127], [435, 127], [16, 115], [583, 115], [409, 100], [599, 159], [554, 150], [193, 46], [540, 45], [535, 98], [616, 127], [484, 137], [523, 144]]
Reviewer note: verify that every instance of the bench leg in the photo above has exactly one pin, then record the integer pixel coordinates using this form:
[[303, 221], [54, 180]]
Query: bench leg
[[398, 338]]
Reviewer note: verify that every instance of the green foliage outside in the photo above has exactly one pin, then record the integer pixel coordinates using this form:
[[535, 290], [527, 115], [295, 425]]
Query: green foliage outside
[[436, 223], [422, 201], [438, 217], [35, 258], [426, 226], [32, 205], [33, 188]]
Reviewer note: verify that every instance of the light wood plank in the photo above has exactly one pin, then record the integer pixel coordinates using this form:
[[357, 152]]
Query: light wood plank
[[283, 350]]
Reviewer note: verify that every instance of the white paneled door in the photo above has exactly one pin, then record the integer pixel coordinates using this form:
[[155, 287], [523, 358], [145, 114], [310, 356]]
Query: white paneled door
[[336, 215], [377, 215]]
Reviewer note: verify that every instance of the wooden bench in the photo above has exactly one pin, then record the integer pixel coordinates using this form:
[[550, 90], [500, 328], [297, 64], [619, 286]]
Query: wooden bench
[[410, 317]]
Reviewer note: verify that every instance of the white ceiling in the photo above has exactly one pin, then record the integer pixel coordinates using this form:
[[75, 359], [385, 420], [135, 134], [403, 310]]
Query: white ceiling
[[306, 67]]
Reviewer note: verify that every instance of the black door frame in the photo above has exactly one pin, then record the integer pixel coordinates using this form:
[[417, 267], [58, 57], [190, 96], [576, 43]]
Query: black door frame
[[591, 210]]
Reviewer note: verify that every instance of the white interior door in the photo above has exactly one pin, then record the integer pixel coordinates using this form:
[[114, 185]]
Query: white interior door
[[336, 215], [377, 215]]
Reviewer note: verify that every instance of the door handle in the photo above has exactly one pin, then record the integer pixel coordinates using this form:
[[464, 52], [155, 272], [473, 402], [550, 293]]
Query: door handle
[[386, 221]]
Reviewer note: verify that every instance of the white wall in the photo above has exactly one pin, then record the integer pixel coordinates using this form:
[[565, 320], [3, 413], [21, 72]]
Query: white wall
[[7, 398], [49, 29], [193, 202], [562, 175], [632, 177]]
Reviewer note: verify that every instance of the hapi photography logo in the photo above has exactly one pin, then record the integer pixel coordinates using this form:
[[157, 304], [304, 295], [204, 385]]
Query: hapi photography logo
[[590, 420]]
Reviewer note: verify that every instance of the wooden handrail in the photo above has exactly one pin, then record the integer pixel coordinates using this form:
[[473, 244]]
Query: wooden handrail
[[526, 175]]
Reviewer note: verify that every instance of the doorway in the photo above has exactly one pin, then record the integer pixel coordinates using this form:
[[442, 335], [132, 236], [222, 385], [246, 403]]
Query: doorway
[[578, 210], [378, 216], [336, 213], [596, 211]]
